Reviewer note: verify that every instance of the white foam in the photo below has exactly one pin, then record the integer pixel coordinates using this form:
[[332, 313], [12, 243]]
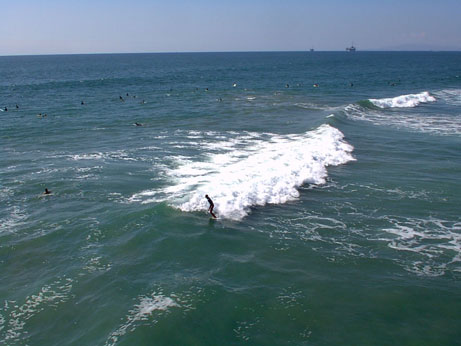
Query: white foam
[[251, 170], [433, 240], [115, 155], [17, 316], [450, 96], [96, 156], [404, 101], [13, 221], [142, 312], [441, 124], [94, 264]]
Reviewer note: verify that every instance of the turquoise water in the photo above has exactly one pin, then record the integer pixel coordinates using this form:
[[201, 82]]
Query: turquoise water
[[338, 204]]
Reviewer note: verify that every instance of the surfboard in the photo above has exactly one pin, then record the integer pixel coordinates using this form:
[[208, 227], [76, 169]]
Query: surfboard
[[45, 195]]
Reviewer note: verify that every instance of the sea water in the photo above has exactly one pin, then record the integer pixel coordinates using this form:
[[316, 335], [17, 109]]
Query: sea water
[[335, 178]]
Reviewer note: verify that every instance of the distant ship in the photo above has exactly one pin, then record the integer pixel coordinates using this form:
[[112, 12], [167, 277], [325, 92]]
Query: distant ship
[[351, 48], [312, 49]]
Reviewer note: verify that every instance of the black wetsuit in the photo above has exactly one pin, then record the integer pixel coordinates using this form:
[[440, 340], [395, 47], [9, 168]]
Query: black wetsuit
[[210, 209]]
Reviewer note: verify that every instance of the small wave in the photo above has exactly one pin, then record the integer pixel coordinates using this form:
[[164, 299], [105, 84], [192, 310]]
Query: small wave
[[252, 170], [403, 101], [450, 96], [441, 124]]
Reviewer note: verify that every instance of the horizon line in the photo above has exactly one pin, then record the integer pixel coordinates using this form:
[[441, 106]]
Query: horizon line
[[244, 51]]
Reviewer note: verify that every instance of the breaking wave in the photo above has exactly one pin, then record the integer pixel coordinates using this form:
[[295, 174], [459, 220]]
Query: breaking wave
[[251, 170], [403, 101]]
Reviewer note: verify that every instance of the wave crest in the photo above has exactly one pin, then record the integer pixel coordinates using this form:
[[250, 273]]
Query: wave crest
[[403, 101]]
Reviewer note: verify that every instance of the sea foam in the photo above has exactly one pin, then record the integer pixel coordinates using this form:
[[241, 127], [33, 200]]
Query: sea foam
[[450, 96], [404, 101], [439, 123], [252, 170], [143, 311]]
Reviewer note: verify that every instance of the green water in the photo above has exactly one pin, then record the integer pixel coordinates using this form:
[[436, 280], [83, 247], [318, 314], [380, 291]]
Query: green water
[[338, 205]]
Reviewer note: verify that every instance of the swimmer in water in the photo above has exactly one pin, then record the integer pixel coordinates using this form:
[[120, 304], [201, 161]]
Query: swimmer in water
[[138, 124], [47, 192], [210, 209]]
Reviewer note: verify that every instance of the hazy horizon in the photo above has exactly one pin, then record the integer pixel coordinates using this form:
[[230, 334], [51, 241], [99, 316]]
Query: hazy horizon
[[111, 27], [255, 51]]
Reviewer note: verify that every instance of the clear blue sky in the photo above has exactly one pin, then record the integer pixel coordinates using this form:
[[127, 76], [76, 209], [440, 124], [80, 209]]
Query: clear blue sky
[[106, 26]]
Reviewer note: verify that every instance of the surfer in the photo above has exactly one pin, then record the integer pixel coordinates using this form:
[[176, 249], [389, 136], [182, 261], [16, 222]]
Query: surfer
[[47, 192], [210, 209], [138, 124]]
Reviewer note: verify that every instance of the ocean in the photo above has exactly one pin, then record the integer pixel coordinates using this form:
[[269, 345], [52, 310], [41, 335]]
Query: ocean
[[336, 179]]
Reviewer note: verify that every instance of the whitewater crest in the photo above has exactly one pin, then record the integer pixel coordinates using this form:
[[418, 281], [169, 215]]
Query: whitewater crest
[[404, 101], [251, 170]]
